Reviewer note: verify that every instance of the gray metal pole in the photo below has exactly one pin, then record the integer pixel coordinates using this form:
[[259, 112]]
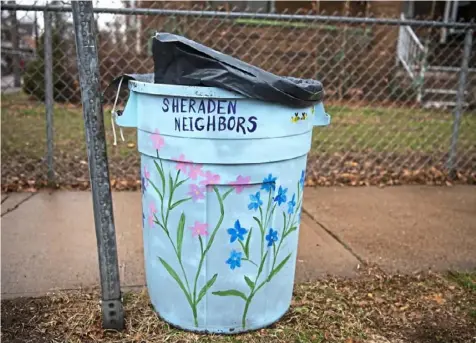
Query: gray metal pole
[[49, 95], [15, 48], [468, 42], [88, 65]]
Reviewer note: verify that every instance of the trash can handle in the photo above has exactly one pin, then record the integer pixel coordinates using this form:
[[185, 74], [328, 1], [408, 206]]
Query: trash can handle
[[321, 118]]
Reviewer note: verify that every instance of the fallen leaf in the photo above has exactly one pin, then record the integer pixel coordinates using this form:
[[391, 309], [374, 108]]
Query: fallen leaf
[[438, 298]]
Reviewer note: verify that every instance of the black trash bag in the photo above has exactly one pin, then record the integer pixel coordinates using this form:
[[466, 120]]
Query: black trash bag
[[181, 61]]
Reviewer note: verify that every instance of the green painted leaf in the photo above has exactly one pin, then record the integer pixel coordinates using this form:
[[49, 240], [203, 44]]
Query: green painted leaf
[[228, 193], [155, 188], [292, 229], [220, 220], [180, 183], [247, 244], [230, 293], [261, 265], [175, 276], [278, 267], [181, 201], [161, 173], [205, 288], [250, 283], [259, 224], [180, 229], [171, 184], [284, 217], [161, 225]]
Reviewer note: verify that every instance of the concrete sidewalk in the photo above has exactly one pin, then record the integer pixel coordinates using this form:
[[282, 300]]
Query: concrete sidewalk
[[48, 239]]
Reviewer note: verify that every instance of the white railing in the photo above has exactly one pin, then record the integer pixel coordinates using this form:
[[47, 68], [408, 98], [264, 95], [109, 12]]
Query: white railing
[[410, 51], [411, 54]]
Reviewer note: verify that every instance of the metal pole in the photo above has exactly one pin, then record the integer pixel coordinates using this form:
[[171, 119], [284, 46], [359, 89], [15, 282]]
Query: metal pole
[[15, 48], [468, 42], [49, 95], [88, 65]]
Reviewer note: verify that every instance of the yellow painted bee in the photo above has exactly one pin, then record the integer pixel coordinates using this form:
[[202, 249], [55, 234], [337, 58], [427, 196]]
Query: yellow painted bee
[[303, 116], [295, 118]]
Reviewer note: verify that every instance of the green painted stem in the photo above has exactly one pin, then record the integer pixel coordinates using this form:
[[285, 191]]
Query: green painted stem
[[195, 317], [245, 312], [212, 237]]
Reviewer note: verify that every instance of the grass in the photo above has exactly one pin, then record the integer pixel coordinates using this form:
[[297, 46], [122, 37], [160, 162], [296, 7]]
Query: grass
[[352, 129], [375, 307], [24, 129], [396, 130], [363, 145]]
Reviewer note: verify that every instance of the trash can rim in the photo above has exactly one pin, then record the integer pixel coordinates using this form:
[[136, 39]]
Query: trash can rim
[[182, 91]]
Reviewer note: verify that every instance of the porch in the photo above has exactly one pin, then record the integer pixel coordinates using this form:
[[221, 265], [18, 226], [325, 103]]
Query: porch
[[432, 57]]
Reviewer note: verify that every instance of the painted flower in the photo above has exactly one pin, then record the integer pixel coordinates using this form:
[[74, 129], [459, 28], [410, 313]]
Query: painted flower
[[292, 204], [143, 219], [145, 179], [194, 171], [196, 192], [158, 141], [182, 163], [199, 229], [152, 212], [269, 183], [240, 183], [210, 178], [301, 181], [281, 197], [255, 201], [272, 237], [146, 173], [235, 259], [237, 232], [144, 184]]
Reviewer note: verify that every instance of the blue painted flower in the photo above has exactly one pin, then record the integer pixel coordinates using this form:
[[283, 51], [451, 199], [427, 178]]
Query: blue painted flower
[[237, 232], [255, 201], [144, 184], [269, 183], [143, 219], [281, 197], [301, 181], [292, 204], [272, 237], [235, 259]]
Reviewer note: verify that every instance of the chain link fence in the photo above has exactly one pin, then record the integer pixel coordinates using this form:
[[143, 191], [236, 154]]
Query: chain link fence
[[401, 94]]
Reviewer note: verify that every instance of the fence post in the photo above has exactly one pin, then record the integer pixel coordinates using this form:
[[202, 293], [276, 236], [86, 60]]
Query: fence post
[[88, 66], [15, 48], [49, 95], [468, 42]]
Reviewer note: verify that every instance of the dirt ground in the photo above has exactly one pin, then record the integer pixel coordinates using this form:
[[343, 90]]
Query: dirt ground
[[378, 308]]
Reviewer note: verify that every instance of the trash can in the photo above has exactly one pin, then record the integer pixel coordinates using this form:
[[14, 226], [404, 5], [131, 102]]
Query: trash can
[[222, 183]]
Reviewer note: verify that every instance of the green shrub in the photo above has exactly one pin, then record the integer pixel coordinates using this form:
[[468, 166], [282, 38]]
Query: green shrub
[[65, 88]]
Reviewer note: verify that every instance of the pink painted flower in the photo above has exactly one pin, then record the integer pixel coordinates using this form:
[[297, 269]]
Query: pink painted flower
[[158, 141], [199, 229], [196, 192], [182, 163], [240, 183], [194, 171], [210, 178], [152, 212], [146, 175]]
